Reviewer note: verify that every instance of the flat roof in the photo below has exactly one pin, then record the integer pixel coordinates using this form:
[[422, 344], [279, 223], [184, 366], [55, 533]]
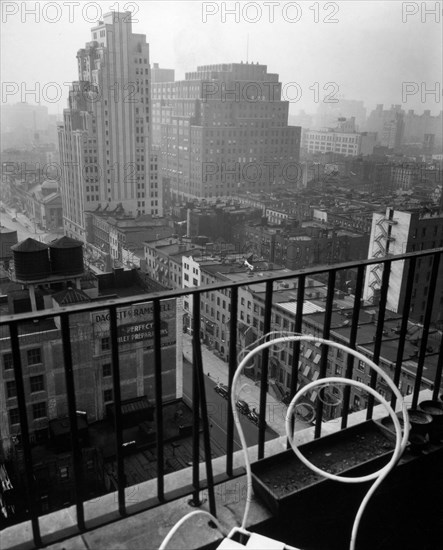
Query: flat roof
[[308, 307], [341, 322]]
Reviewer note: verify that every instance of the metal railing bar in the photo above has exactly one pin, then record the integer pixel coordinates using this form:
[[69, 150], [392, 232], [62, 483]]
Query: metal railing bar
[[298, 324], [118, 427], [232, 367], [403, 326], [379, 332], [425, 330], [204, 420], [72, 413], [158, 399], [324, 350], [24, 427], [352, 342], [264, 373], [195, 405]]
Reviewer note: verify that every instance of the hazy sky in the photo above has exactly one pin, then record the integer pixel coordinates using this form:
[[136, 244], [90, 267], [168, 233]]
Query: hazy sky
[[368, 50]]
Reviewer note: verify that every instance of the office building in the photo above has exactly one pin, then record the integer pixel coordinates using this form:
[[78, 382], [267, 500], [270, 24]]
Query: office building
[[105, 144], [389, 125], [329, 110], [343, 139], [225, 129]]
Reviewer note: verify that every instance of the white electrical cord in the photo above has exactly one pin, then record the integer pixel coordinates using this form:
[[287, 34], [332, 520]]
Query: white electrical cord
[[400, 442], [379, 475]]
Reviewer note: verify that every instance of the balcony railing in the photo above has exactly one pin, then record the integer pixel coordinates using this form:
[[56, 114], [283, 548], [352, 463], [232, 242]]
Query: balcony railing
[[11, 327]]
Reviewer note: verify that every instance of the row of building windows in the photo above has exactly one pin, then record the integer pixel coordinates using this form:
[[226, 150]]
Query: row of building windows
[[34, 357], [39, 410], [36, 384]]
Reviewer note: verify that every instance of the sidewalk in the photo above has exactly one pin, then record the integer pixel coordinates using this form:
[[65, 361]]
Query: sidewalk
[[217, 369]]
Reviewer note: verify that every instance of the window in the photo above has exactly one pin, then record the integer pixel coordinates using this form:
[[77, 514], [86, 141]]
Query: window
[[39, 410], [36, 383], [11, 389], [34, 356], [360, 379], [106, 343], [107, 396], [338, 370], [64, 472], [7, 361], [106, 369], [14, 416], [361, 366]]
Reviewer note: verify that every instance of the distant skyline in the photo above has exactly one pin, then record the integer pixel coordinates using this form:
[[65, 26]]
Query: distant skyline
[[372, 51]]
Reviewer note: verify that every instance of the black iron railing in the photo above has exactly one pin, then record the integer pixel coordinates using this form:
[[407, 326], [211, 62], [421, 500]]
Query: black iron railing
[[12, 324]]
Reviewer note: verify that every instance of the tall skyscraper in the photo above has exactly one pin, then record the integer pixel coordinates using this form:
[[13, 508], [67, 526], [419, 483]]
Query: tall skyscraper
[[225, 129], [389, 125], [329, 111], [105, 142]]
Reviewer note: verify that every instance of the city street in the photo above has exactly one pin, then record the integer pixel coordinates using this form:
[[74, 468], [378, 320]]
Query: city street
[[218, 413], [218, 372], [24, 226]]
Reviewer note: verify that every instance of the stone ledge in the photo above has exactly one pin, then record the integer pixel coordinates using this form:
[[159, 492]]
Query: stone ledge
[[133, 531]]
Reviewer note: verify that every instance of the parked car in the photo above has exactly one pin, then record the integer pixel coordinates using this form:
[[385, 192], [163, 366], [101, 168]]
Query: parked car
[[242, 406], [253, 416], [222, 390]]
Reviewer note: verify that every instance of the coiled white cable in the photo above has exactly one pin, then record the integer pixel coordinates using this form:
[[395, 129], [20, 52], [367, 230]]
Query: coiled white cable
[[400, 442], [379, 475]]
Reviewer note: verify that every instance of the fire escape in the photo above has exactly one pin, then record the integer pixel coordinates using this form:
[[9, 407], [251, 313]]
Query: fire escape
[[383, 238]]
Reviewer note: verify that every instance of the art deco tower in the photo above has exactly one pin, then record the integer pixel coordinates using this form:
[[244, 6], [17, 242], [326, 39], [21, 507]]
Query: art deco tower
[[105, 142]]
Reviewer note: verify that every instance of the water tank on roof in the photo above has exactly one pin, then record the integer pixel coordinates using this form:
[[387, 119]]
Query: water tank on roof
[[31, 260], [66, 256]]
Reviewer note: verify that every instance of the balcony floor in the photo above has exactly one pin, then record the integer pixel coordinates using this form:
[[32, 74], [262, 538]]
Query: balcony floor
[[406, 513], [407, 518]]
